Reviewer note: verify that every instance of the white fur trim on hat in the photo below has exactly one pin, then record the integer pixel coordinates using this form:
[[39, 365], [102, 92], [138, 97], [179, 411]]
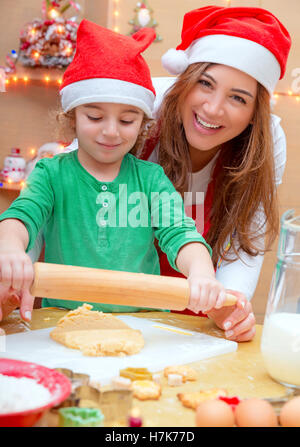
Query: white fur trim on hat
[[107, 90], [242, 54], [175, 61]]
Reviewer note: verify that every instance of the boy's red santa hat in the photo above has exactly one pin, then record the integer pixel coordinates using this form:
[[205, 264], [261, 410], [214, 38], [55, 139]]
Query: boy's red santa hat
[[108, 67], [250, 39]]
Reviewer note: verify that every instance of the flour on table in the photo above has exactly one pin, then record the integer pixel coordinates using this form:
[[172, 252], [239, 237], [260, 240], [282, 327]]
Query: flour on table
[[96, 333], [21, 394]]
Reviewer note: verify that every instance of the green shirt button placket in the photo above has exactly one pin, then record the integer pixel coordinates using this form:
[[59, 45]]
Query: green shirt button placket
[[103, 227]]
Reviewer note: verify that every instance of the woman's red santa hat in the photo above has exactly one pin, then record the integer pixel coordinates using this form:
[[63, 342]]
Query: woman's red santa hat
[[108, 67], [250, 39]]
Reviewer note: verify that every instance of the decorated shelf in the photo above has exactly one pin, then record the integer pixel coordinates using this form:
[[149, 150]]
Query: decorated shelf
[[37, 75], [16, 170], [46, 46], [12, 186]]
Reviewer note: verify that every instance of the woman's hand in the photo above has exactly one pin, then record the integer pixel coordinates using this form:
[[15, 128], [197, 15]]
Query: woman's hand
[[9, 301], [237, 321], [206, 293]]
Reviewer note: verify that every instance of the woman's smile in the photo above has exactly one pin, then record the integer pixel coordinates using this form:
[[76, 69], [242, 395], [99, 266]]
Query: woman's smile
[[204, 126]]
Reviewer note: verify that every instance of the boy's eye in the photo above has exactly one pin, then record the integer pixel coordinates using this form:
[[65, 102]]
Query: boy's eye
[[92, 118], [239, 99], [126, 122]]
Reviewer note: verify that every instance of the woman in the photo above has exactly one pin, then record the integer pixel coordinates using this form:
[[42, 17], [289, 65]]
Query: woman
[[219, 142]]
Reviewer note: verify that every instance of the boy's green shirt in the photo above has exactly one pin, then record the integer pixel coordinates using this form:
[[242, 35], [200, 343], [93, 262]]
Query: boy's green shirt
[[68, 203]]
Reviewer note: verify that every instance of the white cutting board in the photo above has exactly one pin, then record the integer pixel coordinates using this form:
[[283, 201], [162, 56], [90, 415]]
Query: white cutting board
[[164, 346]]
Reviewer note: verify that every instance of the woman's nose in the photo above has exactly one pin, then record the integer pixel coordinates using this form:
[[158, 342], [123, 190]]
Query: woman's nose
[[214, 106]]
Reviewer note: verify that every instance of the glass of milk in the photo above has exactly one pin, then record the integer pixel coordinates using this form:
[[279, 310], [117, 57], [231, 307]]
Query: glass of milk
[[280, 345]]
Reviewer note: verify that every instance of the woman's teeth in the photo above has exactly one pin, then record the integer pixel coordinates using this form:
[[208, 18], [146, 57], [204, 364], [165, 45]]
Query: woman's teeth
[[210, 126]]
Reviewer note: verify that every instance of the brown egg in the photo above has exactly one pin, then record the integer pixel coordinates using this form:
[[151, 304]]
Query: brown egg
[[214, 413], [290, 413], [255, 413]]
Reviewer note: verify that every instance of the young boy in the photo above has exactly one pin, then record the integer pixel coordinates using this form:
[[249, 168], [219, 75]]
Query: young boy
[[99, 206]]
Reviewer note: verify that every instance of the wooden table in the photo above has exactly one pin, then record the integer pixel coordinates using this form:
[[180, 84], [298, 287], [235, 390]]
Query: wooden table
[[242, 372]]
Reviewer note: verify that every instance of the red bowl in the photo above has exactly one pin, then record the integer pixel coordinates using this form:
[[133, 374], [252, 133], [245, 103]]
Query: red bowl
[[58, 385]]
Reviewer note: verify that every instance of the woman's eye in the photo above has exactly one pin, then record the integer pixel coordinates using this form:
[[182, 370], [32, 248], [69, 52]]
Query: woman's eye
[[92, 118], [239, 99], [204, 83]]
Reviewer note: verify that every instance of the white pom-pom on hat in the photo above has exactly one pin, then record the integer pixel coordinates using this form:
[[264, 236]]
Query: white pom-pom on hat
[[175, 61]]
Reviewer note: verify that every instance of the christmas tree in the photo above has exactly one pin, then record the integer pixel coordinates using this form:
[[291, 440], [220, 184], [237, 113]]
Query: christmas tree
[[143, 18]]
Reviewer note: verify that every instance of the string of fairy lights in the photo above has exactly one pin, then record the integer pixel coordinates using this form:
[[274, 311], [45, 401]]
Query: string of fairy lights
[[47, 80], [115, 16]]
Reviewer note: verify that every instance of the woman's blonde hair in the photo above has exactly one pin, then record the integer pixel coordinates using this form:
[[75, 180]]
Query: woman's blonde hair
[[246, 175], [65, 128]]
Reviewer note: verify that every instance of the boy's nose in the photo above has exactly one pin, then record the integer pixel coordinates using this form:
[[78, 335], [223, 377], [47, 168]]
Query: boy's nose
[[110, 129]]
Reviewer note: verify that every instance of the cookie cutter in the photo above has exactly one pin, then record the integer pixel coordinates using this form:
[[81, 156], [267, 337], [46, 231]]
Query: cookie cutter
[[136, 373], [115, 405], [80, 417], [76, 379]]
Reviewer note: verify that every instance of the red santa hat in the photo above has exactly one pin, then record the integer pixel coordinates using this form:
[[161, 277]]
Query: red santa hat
[[108, 67], [250, 39]]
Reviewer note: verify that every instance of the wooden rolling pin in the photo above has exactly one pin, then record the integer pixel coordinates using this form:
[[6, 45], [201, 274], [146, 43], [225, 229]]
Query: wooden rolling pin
[[113, 287]]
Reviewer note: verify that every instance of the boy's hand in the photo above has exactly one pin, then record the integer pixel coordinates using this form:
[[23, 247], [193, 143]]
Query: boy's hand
[[16, 277], [206, 293], [16, 269]]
